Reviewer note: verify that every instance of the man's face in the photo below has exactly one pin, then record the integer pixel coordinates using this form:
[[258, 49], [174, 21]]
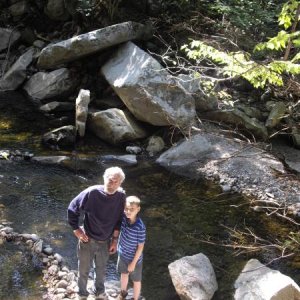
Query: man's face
[[112, 183]]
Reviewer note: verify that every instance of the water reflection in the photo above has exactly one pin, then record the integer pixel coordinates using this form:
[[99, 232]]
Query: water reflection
[[20, 273], [180, 214]]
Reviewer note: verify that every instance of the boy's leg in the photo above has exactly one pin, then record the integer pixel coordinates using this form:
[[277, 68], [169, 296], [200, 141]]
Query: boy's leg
[[124, 281], [136, 277], [122, 267], [137, 285], [84, 263]]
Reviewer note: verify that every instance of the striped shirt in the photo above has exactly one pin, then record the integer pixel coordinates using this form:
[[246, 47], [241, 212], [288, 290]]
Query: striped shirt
[[130, 236]]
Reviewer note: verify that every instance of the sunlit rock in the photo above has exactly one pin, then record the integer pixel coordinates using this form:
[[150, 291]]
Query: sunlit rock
[[90, 42], [193, 277], [260, 282], [56, 106], [147, 89], [82, 106]]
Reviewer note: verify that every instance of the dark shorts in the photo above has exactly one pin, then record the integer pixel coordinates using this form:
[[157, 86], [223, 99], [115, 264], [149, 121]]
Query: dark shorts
[[122, 267]]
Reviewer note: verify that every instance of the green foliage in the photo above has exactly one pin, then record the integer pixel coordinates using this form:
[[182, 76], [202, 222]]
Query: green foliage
[[278, 42], [239, 64], [286, 19], [288, 13]]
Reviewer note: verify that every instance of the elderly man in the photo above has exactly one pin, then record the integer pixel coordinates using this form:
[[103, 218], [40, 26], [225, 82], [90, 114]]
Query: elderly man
[[102, 206]]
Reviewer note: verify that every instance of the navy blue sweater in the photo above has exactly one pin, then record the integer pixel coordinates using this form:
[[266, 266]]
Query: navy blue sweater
[[102, 212]]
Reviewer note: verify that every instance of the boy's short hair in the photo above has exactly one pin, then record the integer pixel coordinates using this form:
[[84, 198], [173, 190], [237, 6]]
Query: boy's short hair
[[133, 200]]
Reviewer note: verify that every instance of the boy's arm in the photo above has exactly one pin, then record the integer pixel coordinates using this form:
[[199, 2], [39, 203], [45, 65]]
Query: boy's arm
[[137, 255]]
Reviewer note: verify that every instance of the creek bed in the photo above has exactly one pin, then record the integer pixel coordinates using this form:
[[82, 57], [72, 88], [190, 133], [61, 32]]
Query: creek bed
[[181, 215]]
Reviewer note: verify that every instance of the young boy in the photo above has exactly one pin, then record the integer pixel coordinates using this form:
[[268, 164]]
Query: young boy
[[130, 248]]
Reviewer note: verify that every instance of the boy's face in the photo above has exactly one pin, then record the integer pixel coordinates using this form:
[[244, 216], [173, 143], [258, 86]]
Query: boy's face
[[131, 211]]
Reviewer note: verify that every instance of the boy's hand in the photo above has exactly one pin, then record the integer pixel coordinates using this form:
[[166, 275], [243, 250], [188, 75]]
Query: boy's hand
[[131, 267]]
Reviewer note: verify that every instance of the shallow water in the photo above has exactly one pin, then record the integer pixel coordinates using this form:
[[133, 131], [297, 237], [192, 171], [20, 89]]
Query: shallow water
[[183, 216]]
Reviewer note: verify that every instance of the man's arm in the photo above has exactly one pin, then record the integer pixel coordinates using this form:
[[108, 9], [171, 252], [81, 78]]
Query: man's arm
[[114, 241], [74, 209]]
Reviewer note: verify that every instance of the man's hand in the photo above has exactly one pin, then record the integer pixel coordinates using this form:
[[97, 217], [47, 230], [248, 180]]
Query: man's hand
[[113, 246], [82, 237]]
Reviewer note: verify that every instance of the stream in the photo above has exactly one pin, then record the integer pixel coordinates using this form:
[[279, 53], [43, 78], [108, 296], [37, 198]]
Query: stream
[[183, 217]]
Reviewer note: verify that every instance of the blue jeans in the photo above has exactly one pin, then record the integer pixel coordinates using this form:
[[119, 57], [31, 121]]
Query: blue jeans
[[87, 253]]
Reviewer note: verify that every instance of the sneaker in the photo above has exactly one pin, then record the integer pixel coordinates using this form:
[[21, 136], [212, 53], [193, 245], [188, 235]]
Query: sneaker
[[122, 295], [81, 297], [100, 296]]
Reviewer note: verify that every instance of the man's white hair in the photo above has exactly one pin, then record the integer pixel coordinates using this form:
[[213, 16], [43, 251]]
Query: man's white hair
[[114, 171]]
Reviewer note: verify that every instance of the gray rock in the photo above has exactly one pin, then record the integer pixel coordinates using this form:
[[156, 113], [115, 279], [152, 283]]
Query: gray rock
[[150, 93], [193, 277], [91, 42], [44, 85], [56, 106], [63, 137], [115, 126], [56, 10], [16, 75], [237, 117], [8, 37], [123, 160], [82, 103], [260, 282], [277, 113]]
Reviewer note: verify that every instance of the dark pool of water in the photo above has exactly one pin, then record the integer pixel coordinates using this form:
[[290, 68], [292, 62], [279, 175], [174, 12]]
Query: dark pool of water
[[20, 273]]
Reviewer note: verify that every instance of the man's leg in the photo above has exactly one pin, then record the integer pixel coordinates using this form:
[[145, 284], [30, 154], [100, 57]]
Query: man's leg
[[101, 258], [84, 263]]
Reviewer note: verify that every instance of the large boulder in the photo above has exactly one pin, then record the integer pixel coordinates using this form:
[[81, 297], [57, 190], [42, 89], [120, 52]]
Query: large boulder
[[193, 277], [90, 42], [115, 126], [150, 93], [257, 281], [242, 166]]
